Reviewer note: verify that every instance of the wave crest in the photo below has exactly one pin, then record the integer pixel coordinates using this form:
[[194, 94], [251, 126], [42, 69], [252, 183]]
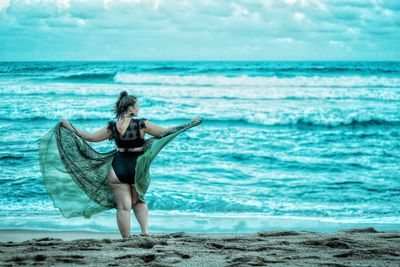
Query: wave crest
[[260, 119], [82, 77], [247, 81]]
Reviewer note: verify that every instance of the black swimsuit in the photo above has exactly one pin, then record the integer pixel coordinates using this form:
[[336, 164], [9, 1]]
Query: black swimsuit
[[124, 163]]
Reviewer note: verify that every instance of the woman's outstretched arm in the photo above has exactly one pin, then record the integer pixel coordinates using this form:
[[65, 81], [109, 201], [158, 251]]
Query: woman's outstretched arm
[[98, 136], [157, 131], [153, 129]]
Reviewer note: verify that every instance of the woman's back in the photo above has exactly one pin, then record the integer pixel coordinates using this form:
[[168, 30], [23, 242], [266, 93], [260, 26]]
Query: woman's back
[[132, 136]]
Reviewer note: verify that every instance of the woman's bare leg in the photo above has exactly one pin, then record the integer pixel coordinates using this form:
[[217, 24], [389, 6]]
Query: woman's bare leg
[[123, 202], [141, 212]]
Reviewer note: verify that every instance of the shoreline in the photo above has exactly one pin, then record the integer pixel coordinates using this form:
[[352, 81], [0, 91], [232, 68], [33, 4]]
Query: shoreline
[[350, 247], [190, 223], [23, 235]]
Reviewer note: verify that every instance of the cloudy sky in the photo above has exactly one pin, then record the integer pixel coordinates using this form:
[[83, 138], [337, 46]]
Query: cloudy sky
[[200, 30]]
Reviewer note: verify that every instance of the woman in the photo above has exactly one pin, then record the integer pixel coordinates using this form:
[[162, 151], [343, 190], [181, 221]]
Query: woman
[[129, 134]]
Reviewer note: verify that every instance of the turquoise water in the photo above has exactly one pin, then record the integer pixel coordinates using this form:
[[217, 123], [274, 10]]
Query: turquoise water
[[302, 145]]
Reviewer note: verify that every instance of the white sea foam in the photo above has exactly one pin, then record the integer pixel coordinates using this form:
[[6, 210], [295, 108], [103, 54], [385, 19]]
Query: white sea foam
[[219, 80], [202, 222], [186, 94], [269, 116]]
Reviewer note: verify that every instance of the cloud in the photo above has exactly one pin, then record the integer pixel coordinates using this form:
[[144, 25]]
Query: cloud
[[286, 40], [339, 44], [4, 4], [63, 3], [174, 29], [298, 16]]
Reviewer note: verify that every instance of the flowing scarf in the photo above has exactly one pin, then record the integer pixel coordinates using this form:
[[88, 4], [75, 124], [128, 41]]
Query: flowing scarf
[[75, 174]]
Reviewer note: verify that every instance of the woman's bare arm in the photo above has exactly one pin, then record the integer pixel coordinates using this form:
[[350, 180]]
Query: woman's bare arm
[[154, 130], [98, 136], [157, 131]]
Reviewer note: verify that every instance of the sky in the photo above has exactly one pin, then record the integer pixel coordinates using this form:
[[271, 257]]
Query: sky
[[200, 30]]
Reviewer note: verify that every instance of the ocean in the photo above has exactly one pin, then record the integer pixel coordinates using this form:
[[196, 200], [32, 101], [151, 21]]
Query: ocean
[[283, 145]]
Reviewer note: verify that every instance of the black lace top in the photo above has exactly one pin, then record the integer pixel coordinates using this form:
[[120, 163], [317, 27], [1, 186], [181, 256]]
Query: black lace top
[[131, 138]]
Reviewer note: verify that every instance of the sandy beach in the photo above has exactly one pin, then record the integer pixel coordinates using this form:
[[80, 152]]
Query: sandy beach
[[350, 247]]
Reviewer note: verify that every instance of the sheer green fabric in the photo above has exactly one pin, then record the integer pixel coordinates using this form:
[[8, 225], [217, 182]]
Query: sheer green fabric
[[75, 174]]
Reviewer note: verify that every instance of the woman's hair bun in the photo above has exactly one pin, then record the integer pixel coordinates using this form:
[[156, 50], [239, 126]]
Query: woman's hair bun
[[123, 103], [122, 94]]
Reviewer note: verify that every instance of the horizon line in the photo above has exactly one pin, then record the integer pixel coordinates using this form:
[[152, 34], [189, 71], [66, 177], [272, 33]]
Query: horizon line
[[214, 60]]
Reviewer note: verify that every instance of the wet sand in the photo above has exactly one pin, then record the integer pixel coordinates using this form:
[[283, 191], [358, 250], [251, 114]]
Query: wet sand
[[351, 247]]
